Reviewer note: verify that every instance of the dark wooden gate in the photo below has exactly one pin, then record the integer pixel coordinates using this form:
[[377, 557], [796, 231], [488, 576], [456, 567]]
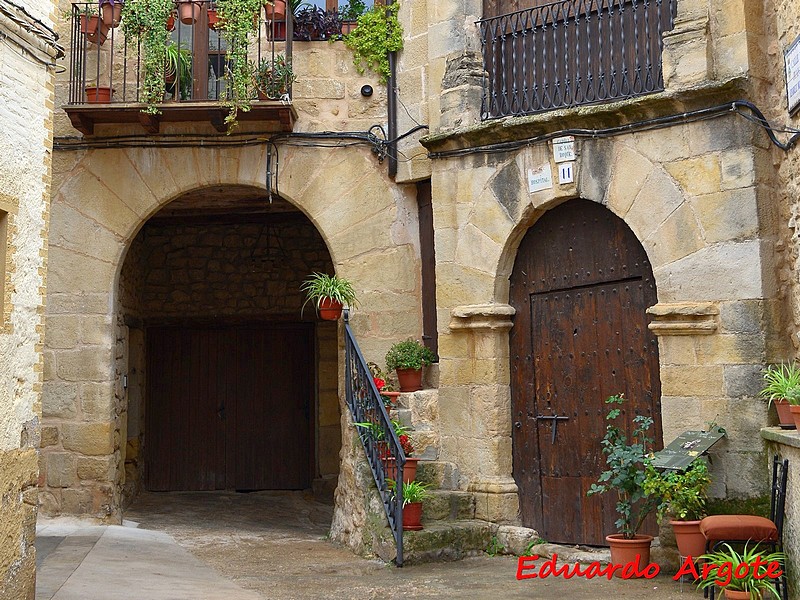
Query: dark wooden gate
[[581, 284], [229, 408]]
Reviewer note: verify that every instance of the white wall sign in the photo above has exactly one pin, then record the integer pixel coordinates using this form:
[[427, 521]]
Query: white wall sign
[[540, 179], [792, 58], [566, 173], [564, 149]]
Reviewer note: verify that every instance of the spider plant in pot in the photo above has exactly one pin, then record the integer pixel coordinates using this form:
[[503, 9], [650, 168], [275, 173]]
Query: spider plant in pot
[[413, 495], [756, 583], [272, 77], [329, 294], [781, 385], [407, 358], [682, 495], [626, 463], [179, 68]]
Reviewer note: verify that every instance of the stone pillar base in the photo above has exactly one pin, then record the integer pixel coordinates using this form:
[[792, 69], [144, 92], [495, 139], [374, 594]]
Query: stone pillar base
[[496, 500]]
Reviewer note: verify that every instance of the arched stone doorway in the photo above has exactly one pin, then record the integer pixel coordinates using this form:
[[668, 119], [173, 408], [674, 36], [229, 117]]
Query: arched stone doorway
[[580, 286], [228, 385]]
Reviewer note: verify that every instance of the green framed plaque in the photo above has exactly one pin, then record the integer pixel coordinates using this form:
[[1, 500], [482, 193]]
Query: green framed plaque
[[680, 453]]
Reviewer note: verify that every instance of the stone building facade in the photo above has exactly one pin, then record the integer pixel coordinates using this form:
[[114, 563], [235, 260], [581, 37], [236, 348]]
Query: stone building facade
[[140, 238], [27, 56]]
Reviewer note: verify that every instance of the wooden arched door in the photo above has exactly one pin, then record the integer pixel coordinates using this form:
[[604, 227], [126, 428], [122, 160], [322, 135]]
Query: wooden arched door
[[581, 285]]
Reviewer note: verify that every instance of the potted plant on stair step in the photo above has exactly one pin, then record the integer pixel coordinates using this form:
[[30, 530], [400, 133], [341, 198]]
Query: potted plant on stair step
[[782, 385], [330, 294], [410, 468], [385, 389], [682, 496], [413, 495], [625, 476], [407, 358], [756, 583]]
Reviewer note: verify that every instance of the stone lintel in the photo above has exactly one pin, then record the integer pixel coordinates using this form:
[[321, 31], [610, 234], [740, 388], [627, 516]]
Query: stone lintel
[[482, 316], [684, 318], [494, 485]]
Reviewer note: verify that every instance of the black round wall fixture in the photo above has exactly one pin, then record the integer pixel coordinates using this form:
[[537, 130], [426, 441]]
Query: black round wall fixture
[[366, 91]]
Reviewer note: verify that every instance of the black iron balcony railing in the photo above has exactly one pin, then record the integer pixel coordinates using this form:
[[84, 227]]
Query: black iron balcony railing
[[106, 69], [376, 433], [572, 52]]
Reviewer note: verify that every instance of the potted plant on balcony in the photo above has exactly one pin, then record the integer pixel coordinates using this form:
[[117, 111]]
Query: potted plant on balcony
[[625, 474], [91, 24], [143, 22], [755, 584], [179, 68], [314, 24], [238, 19], [349, 14], [682, 496], [188, 11], [98, 94], [272, 77], [407, 358], [111, 11], [330, 294], [378, 33], [782, 386]]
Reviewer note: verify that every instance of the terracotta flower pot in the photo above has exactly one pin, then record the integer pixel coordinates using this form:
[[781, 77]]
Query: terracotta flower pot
[[98, 94], [112, 14], [171, 23], [188, 12], [330, 310], [409, 469], [276, 11], [624, 551], [213, 18], [785, 419], [96, 31], [412, 516], [410, 380], [691, 542], [392, 398], [795, 415], [348, 27], [737, 595]]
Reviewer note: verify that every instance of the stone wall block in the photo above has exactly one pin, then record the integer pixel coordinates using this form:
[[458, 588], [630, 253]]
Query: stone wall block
[[675, 238], [91, 439], [729, 215], [97, 469], [631, 171], [85, 364], [697, 175], [743, 380], [738, 169], [677, 350], [63, 331], [646, 214], [76, 273], [61, 468], [60, 399], [695, 380]]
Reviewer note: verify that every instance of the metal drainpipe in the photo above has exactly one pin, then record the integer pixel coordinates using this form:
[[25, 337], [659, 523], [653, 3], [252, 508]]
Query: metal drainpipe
[[392, 109]]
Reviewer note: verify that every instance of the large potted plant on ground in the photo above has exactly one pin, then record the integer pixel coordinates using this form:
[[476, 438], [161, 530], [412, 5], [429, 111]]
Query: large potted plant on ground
[[782, 388], [329, 294], [626, 463], [682, 496], [407, 358], [755, 584]]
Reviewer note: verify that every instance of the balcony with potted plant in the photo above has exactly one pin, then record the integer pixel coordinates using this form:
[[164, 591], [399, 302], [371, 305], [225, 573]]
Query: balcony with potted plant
[[221, 39]]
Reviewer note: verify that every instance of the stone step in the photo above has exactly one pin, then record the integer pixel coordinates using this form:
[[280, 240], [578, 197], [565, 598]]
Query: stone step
[[438, 474], [447, 540], [448, 505]]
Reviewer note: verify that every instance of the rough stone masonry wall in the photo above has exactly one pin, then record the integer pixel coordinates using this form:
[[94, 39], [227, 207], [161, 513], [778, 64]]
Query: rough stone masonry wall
[[26, 127]]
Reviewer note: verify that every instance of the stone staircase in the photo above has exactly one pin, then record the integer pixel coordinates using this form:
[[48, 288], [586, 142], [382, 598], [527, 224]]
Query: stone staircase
[[451, 531]]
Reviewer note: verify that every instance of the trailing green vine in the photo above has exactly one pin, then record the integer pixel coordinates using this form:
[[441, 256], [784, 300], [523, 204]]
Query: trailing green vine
[[377, 34], [144, 21], [237, 20]]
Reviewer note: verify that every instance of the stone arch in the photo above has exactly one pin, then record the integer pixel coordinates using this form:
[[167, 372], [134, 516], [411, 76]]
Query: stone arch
[[99, 205]]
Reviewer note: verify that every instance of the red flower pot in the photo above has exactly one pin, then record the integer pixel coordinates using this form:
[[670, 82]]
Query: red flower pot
[[213, 19], [412, 516], [795, 415], [98, 94], [112, 14], [409, 469], [783, 408], [330, 310], [188, 12], [392, 398], [171, 23], [410, 380], [275, 11], [690, 540], [624, 551]]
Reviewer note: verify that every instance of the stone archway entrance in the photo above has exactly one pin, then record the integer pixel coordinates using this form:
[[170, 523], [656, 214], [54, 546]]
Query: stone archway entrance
[[229, 386], [581, 285]]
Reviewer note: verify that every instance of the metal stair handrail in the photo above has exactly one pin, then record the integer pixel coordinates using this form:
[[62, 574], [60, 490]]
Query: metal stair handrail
[[377, 435]]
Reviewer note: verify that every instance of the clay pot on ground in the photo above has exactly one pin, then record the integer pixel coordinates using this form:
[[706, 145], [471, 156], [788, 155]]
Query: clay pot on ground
[[409, 469], [329, 309], [412, 516], [783, 408], [690, 540], [188, 12], [410, 380], [98, 94], [624, 551], [737, 595]]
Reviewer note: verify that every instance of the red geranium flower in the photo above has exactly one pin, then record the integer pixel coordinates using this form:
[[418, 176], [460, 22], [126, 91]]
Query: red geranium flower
[[379, 383]]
